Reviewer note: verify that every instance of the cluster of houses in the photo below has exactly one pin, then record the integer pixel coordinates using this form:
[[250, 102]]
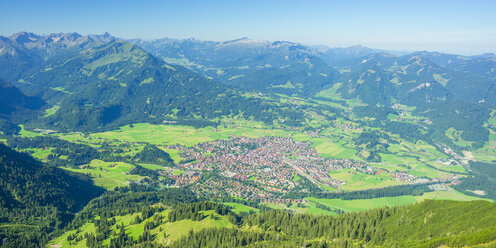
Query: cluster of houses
[[262, 168], [403, 176], [346, 126], [182, 179], [226, 187]]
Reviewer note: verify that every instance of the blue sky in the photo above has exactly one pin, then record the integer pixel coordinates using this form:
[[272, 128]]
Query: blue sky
[[464, 27]]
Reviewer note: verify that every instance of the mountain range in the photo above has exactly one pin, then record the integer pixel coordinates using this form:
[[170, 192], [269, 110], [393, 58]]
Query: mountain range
[[97, 82], [91, 83]]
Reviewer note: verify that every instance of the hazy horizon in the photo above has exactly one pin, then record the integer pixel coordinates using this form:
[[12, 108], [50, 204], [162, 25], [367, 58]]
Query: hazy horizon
[[457, 27]]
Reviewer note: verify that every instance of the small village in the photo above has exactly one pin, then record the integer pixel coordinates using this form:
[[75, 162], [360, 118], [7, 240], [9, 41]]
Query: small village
[[263, 168]]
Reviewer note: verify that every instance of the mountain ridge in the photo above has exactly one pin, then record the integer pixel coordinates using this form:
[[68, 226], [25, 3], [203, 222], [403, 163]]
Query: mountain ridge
[[121, 78]]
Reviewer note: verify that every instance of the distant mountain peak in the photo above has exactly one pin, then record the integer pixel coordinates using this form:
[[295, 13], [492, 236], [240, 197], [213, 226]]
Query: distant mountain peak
[[59, 40], [486, 55], [357, 47], [282, 43], [24, 37], [243, 41]]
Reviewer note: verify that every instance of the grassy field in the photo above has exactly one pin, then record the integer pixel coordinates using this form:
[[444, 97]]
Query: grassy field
[[61, 241], [425, 171], [164, 233], [108, 174], [417, 166], [455, 136], [189, 136], [310, 206], [174, 154], [38, 153], [26, 133], [447, 195], [238, 208], [356, 180], [151, 166], [330, 149], [365, 204], [51, 111], [488, 152], [449, 167]]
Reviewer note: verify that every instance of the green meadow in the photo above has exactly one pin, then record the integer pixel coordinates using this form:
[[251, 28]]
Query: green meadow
[[487, 153], [365, 204], [26, 133], [164, 233], [189, 136], [240, 208], [107, 174], [356, 180], [448, 195], [330, 149]]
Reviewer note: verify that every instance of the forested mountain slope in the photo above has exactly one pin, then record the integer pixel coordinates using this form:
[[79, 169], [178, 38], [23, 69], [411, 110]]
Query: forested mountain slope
[[119, 83], [12, 99], [427, 224], [15, 107], [36, 198]]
